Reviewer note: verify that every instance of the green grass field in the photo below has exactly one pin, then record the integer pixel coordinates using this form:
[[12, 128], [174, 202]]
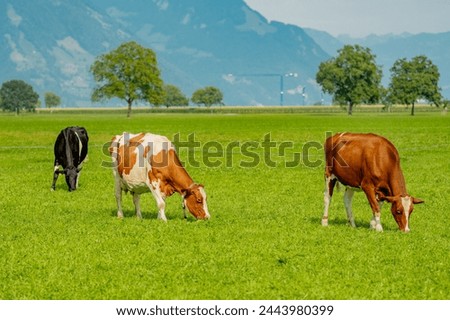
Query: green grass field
[[264, 240]]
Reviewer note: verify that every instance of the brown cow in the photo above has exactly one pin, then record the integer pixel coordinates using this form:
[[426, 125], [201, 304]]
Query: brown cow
[[371, 163], [146, 162]]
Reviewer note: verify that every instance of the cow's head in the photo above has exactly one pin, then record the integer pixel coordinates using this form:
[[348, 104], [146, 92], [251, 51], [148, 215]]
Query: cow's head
[[195, 200], [402, 208], [71, 174]]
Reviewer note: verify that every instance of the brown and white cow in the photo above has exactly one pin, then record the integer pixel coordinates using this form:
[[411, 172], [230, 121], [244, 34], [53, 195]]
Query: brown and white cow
[[147, 162], [371, 163]]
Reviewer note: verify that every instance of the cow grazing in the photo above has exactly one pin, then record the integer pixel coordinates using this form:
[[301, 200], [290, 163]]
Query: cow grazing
[[371, 163], [71, 148], [146, 162]]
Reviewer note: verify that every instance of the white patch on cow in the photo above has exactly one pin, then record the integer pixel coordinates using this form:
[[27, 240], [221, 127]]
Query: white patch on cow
[[55, 168], [205, 205], [159, 198], [406, 203], [157, 143], [376, 222], [327, 199], [80, 145], [155, 184]]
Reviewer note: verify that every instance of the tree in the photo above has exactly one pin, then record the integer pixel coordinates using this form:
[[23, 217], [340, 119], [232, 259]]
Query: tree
[[130, 73], [207, 96], [18, 95], [414, 80], [173, 97], [52, 100], [352, 77]]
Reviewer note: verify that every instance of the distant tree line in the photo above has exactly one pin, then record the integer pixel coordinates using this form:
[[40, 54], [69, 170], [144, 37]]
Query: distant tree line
[[131, 73], [353, 78]]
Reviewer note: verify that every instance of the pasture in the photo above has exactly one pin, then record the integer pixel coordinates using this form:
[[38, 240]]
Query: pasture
[[263, 174]]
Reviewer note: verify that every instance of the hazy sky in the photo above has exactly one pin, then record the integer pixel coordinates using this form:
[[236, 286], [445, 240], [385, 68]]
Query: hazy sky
[[359, 17]]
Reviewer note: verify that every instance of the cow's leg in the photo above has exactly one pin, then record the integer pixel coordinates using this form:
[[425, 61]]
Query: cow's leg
[[161, 205], [78, 178], [348, 197], [55, 175], [183, 205], [160, 199], [118, 194], [375, 223], [137, 204], [330, 182]]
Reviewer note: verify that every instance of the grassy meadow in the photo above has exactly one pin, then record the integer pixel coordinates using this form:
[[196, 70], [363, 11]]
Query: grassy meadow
[[264, 240]]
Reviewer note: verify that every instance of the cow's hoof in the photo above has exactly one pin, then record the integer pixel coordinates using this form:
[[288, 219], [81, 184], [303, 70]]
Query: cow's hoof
[[324, 222]]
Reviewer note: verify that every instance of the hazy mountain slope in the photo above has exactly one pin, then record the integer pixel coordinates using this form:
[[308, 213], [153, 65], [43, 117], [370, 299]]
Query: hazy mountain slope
[[208, 41], [48, 46], [52, 43]]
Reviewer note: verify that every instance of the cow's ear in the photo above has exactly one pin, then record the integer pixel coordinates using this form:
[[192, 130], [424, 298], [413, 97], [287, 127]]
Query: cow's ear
[[185, 193], [382, 197], [417, 200], [388, 199]]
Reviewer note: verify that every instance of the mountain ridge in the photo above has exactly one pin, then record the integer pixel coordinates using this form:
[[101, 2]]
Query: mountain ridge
[[52, 43]]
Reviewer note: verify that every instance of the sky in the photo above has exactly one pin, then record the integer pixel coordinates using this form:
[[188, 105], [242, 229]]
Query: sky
[[359, 18]]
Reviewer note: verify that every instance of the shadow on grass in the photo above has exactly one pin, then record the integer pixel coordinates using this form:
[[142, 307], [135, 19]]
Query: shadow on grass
[[132, 214], [360, 223], [154, 215]]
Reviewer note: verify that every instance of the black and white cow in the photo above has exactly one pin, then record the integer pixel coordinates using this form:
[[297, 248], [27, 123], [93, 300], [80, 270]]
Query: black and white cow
[[71, 148]]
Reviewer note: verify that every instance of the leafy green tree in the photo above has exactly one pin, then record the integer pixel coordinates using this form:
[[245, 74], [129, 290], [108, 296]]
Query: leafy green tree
[[173, 97], [129, 73], [52, 100], [352, 77], [207, 96], [413, 80], [18, 95]]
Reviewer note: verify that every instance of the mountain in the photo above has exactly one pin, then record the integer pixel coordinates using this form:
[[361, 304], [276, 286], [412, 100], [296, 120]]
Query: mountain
[[52, 43], [389, 48], [326, 41]]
